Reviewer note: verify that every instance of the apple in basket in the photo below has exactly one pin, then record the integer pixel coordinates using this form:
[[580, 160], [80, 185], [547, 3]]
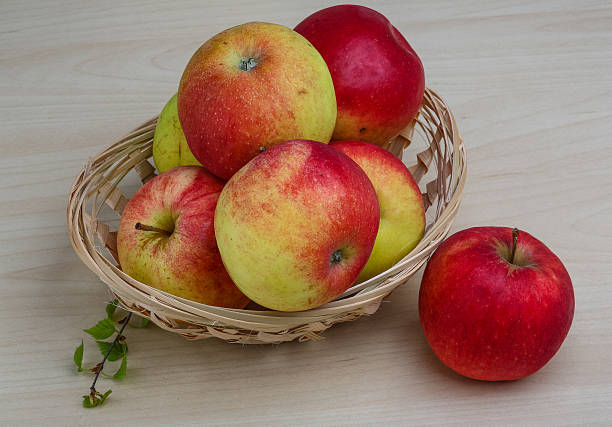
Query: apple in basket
[[170, 147], [296, 225], [166, 238], [495, 303], [402, 214], [379, 79], [250, 87]]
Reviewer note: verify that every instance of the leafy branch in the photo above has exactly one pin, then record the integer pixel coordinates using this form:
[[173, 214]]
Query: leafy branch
[[111, 350]]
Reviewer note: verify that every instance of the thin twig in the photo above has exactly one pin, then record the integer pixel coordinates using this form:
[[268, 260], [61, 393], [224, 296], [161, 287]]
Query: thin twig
[[101, 364]]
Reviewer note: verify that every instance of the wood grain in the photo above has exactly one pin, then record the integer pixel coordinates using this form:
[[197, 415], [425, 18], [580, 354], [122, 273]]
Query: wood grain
[[530, 84]]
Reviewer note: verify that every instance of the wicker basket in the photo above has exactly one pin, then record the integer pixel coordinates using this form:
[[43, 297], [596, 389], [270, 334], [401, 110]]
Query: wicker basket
[[96, 201]]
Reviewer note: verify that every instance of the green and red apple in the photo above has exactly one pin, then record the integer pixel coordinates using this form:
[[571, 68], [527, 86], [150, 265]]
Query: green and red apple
[[249, 88], [166, 238], [378, 77], [495, 303], [170, 147], [402, 214], [296, 225]]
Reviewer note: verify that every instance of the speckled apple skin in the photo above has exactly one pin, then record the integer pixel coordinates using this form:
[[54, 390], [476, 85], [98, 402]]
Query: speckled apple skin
[[170, 147], [187, 263], [402, 214], [228, 114], [378, 77], [490, 320], [280, 219]]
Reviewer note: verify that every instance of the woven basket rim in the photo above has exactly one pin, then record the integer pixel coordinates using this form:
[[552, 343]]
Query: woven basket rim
[[194, 319]]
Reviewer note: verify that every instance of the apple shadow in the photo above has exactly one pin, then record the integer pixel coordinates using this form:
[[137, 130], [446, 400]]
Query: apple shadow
[[403, 304], [437, 368]]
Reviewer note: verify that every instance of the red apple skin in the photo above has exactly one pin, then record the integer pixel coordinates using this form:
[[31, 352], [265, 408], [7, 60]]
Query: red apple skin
[[378, 77], [402, 214], [187, 263], [491, 320], [282, 217], [229, 114]]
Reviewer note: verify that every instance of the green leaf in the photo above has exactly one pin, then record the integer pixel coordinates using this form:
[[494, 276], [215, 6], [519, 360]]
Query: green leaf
[[104, 396], [111, 307], [103, 329], [97, 399], [116, 353], [89, 402], [78, 357], [120, 374]]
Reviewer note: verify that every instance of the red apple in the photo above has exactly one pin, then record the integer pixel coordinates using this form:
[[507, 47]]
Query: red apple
[[166, 238], [495, 304], [250, 87], [379, 79], [402, 214], [296, 225]]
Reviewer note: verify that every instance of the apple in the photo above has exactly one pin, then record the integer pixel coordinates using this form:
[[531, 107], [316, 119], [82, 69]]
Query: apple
[[495, 303], [249, 88], [170, 147], [378, 77], [166, 238], [402, 214], [296, 225]]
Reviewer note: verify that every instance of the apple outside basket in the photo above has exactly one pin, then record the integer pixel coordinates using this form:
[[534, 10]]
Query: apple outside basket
[[97, 198]]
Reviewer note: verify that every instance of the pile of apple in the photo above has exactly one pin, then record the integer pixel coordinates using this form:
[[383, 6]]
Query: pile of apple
[[271, 210], [275, 187]]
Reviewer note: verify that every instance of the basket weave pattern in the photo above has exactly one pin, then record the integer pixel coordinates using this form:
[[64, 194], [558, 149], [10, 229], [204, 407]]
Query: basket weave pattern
[[97, 187]]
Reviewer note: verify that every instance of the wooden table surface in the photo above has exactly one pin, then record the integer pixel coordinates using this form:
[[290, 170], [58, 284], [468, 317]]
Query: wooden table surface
[[531, 86]]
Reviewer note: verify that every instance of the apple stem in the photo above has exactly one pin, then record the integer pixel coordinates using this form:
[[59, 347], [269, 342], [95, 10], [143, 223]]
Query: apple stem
[[515, 236], [143, 227]]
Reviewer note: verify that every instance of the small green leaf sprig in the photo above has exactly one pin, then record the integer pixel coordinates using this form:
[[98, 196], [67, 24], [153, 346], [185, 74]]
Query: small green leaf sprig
[[111, 350]]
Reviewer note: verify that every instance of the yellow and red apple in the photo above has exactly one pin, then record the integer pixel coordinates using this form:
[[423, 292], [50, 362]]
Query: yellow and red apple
[[170, 148], [378, 77], [495, 303], [402, 214], [296, 225], [250, 87], [166, 238]]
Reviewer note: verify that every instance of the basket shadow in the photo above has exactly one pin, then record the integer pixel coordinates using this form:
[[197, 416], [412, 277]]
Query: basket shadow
[[382, 356]]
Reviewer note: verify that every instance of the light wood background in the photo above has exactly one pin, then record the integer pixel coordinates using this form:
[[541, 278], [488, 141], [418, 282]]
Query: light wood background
[[531, 86]]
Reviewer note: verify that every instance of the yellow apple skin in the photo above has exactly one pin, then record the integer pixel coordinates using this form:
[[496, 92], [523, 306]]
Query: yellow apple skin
[[250, 87], [170, 147], [402, 215], [296, 225], [184, 261]]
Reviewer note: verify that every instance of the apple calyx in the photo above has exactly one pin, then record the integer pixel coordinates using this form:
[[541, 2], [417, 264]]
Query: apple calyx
[[144, 227], [515, 236], [247, 64], [335, 257]]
